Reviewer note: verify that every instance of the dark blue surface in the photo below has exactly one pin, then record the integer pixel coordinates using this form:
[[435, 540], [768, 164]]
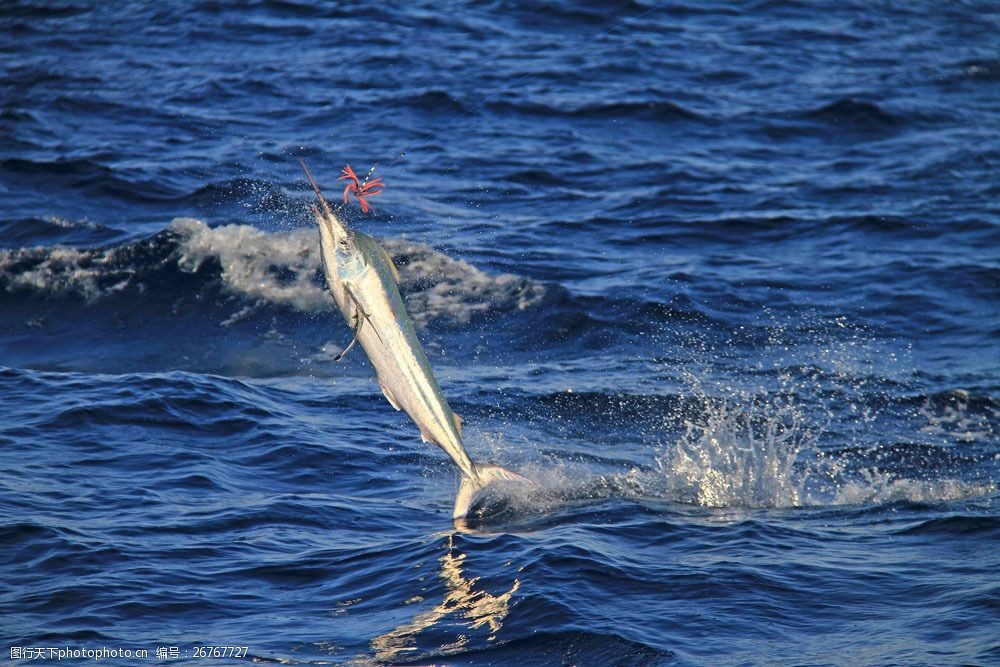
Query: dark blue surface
[[723, 277]]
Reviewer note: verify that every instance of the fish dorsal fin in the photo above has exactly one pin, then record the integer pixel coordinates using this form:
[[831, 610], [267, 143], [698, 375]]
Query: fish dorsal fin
[[388, 261], [388, 396], [458, 421]]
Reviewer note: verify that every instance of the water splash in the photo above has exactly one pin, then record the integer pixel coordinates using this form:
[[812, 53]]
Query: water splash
[[838, 430], [876, 487], [767, 455], [731, 457]]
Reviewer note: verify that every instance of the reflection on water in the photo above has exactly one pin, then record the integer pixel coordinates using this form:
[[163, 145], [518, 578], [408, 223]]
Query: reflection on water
[[465, 604]]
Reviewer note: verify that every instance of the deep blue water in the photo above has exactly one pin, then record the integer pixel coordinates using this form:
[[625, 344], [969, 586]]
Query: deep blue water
[[723, 278]]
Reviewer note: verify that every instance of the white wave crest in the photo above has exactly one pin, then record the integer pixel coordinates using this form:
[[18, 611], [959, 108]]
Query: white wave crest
[[266, 268], [274, 268], [283, 268], [62, 270]]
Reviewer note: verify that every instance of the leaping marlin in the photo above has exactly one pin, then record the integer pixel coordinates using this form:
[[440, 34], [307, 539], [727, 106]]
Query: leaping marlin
[[364, 283]]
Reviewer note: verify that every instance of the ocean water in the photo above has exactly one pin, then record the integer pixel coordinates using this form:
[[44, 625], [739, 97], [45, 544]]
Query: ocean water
[[722, 278]]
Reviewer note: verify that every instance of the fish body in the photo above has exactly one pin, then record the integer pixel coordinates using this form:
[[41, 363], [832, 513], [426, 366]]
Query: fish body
[[364, 284]]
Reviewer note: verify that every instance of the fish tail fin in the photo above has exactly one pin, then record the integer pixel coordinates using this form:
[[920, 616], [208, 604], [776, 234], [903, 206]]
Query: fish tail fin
[[470, 487]]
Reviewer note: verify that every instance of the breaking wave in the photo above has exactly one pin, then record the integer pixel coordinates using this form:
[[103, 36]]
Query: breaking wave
[[258, 268]]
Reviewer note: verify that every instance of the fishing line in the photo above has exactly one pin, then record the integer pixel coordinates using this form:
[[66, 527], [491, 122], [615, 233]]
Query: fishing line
[[489, 98]]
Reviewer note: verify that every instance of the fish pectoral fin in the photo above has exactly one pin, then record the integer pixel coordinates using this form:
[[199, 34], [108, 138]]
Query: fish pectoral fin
[[359, 321], [458, 421], [388, 396], [360, 312]]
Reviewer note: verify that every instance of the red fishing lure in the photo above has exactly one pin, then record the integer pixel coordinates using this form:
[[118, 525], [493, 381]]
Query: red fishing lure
[[360, 190]]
